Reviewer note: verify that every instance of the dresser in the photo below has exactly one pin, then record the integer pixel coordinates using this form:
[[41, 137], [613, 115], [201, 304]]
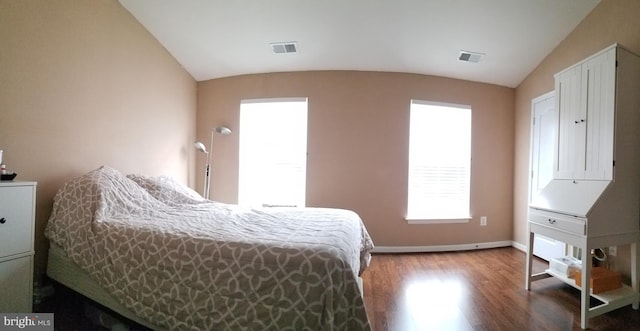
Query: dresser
[[592, 200], [17, 221]]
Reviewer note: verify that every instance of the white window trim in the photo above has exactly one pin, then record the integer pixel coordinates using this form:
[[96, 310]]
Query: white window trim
[[438, 221], [435, 103], [267, 100]]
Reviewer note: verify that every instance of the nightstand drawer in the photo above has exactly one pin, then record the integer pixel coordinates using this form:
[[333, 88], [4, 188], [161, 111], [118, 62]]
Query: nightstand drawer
[[16, 277], [16, 220], [562, 222]]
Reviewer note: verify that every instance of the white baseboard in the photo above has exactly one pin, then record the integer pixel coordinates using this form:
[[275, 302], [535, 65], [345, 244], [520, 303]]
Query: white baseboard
[[519, 246], [446, 248]]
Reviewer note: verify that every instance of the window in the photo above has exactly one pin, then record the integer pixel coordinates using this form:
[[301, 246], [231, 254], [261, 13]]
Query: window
[[439, 163], [273, 152]]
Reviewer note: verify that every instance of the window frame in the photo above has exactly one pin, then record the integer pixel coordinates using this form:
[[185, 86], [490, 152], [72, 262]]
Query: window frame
[[420, 218], [301, 201]]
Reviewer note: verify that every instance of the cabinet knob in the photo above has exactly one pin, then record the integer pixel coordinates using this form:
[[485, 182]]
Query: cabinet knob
[[579, 121], [552, 221], [3, 220]]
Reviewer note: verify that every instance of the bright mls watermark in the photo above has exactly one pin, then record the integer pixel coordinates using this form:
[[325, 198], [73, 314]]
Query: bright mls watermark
[[26, 322]]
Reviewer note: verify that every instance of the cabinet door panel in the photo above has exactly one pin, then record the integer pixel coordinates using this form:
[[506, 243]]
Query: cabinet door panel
[[15, 285], [599, 83], [16, 208], [585, 102], [570, 146]]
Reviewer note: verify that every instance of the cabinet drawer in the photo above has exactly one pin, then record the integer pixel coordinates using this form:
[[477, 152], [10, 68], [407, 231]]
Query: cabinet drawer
[[558, 221], [16, 220], [15, 285]]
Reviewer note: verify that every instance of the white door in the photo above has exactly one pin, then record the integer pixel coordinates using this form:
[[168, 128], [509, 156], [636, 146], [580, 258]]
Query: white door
[[544, 128]]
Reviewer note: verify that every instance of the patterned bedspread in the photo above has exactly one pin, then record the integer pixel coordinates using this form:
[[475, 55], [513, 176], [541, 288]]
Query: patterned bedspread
[[185, 263]]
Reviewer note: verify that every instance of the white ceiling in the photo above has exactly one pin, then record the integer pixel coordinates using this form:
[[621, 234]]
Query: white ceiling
[[219, 38]]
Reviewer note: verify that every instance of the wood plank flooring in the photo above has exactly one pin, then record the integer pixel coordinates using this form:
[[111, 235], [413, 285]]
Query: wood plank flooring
[[474, 290]]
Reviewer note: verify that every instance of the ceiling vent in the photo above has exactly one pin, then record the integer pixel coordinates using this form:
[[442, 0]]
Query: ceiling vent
[[470, 56], [288, 47]]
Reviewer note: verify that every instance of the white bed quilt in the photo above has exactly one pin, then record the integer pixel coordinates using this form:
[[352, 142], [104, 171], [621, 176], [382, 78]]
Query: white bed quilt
[[185, 263]]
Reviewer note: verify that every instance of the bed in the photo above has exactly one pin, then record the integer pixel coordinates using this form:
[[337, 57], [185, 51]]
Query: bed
[[156, 252]]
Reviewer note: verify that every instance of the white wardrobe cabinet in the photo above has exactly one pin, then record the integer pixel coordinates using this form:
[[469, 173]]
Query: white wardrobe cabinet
[[593, 199]]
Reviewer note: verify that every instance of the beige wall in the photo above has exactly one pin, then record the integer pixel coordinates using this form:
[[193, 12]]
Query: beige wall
[[358, 141], [83, 84], [612, 21]]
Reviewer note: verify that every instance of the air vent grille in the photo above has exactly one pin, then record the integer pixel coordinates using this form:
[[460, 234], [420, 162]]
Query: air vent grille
[[470, 56], [286, 47]]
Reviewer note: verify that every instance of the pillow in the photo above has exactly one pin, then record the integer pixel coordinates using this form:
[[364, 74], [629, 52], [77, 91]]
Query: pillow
[[167, 190]]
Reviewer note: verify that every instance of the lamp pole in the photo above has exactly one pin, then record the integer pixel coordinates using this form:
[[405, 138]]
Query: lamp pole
[[222, 130], [207, 171]]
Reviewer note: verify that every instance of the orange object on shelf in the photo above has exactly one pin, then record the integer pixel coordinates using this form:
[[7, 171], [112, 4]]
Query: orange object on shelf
[[602, 279]]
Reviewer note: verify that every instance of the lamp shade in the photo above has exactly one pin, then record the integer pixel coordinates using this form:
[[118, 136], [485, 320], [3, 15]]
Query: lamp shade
[[200, 146]]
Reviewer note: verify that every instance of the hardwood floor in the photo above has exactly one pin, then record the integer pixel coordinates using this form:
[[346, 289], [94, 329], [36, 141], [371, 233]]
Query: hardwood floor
[[474, 290]]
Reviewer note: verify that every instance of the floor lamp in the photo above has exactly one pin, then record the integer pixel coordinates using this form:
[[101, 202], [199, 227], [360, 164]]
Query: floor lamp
[[222, 130]]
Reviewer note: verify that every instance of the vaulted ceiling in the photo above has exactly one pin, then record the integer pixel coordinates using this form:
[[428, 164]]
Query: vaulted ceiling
[[219, 38]]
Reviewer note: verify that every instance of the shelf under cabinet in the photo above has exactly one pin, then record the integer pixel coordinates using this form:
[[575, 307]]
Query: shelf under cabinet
[[611, 300]]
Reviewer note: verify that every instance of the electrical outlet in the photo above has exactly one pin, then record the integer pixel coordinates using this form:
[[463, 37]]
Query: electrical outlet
[[613, 250], [483, 220]]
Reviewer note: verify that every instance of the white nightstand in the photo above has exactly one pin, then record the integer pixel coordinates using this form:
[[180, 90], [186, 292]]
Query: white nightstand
[[17, 218]]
